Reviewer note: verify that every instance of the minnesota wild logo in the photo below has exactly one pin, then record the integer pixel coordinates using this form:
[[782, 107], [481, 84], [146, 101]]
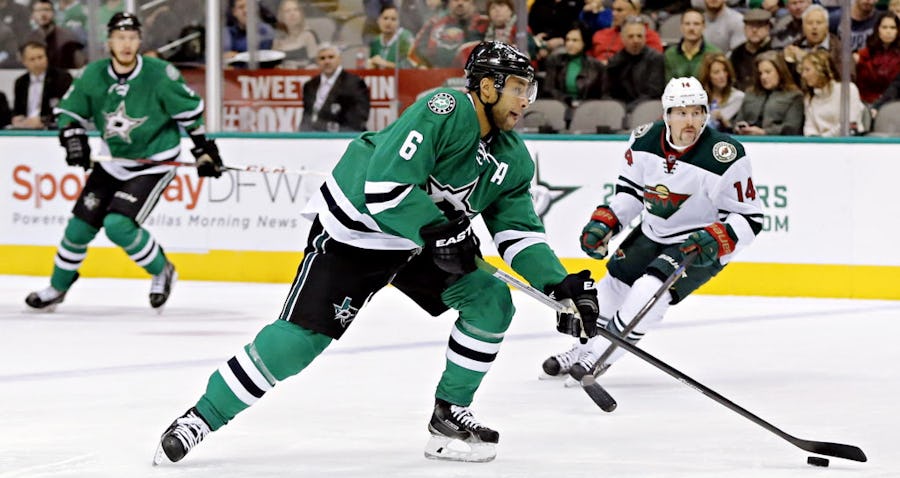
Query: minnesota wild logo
[[660, 201], [345, 313]]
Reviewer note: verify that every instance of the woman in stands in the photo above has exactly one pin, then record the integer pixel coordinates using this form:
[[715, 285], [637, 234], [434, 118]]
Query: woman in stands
[[298, 42], [572, 75], [822, 98], [879, 62], [717, 78], [773, 105], [392, 43]]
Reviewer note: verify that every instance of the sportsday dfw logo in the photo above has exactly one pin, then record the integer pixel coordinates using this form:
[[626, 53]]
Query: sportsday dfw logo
[[39, 187]]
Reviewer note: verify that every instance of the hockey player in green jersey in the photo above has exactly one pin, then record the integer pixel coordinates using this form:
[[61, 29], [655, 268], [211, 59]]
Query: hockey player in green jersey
[[139, 105], [693, 190], [396, 210]]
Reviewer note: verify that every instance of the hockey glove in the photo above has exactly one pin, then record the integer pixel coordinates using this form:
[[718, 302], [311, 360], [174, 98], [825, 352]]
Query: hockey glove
[[78, 151], [578, 292], [453, 245], [209, 163], [711, 243], [599, 230]]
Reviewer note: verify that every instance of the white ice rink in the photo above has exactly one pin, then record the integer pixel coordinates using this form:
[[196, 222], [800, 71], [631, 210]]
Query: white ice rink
[[86, 391]]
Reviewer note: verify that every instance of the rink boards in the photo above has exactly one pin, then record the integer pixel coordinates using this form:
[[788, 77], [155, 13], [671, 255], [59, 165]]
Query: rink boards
[[829, 212]]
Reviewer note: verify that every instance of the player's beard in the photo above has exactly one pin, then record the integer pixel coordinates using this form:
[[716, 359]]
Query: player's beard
[[122, 64]]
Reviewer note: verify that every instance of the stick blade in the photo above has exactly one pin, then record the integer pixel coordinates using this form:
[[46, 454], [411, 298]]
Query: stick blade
[[838, 450], [598, 394]]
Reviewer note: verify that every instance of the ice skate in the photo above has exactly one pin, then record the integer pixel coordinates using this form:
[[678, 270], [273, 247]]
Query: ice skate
[[457, 436], [183, 434], [161, 286], [48, 298], [557, 366], [584, 365]]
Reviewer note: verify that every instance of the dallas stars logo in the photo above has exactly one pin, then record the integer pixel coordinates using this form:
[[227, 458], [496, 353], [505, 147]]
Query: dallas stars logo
[[119, 124], [456, 197], [345, 313], [543, 195]]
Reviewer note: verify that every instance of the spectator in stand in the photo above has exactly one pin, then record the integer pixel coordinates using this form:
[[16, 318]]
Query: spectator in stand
[[892, 93], [438, 42], [16, 17], [595, 16], [104, 14], [572, 74], [756, 28], [5, 114], [390, 48], [789, 28], [862, 22], [414, 14], [335, 100], [609, 41], [292, 36], [894, 6], [637, 72], [773, 105], [235, 39], [372, 9], [684, 58], [822, 98], [39, 90], [72, 15], [724, 26], [815, 37], [550, 21], [502, 28], [9, 57], [717, 78], [879, 62], [771, 6], [64, 49]]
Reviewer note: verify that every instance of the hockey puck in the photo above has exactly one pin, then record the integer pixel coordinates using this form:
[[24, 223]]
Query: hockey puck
[[817, 461]]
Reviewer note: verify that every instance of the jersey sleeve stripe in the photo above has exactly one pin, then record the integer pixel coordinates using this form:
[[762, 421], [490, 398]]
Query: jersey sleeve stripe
[[190, 115], [59, 111], [509, 249], [631, 183], [385, 195], [340, 214]]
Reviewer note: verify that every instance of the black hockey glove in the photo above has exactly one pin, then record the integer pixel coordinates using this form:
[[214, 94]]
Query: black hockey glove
[[576, 291], [209, 163], [78, 151], [453, 245]]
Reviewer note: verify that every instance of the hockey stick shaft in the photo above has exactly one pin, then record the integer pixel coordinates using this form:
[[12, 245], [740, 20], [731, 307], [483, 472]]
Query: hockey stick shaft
[[669, 282], [253, 168], [838, 450]]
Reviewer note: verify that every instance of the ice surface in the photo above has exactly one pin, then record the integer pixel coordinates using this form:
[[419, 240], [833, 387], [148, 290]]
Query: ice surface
[[86, 391]]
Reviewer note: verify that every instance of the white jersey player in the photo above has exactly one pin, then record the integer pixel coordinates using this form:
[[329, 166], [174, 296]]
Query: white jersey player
[[692, 187]]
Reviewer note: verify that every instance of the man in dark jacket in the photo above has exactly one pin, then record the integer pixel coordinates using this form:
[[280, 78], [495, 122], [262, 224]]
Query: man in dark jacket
[[38, 90], [757, 28], [636, 72], [335, 100]]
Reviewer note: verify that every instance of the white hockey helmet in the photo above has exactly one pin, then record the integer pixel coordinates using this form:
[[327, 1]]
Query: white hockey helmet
[[684, 91]]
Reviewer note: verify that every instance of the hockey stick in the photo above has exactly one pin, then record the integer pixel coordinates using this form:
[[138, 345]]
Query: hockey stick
[[589, 381], [848, 452], [253, 168]]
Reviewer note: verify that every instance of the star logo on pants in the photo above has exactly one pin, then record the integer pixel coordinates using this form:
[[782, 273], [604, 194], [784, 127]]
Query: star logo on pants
[[119, 124], [345, 313]]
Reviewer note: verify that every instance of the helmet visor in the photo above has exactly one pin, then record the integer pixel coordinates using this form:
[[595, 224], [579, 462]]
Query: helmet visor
[[523, 88]]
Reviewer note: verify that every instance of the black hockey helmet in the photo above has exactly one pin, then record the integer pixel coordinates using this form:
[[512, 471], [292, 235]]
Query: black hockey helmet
[[123, 21], [497, 60]]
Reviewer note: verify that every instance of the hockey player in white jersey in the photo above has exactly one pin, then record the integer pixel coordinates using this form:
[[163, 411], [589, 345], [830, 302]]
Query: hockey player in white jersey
[[693, 189]]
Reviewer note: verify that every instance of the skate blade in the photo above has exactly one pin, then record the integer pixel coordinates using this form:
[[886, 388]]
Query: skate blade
[[42, 310], [444, 448], [160, 456], [545, 376], [571, 382]]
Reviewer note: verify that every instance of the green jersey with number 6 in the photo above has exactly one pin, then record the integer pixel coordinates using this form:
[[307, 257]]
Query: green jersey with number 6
[[138, 115], [390, 183]]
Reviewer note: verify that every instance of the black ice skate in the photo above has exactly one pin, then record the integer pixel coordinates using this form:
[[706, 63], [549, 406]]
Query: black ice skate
[[585, 364], [183, 434], [48, 298], [457, 436], [161, 286], [557, 366]]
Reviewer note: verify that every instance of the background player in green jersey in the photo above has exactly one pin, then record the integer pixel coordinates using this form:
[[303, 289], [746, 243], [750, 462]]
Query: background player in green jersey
[[139, 104], [692, 187], [396, 210]]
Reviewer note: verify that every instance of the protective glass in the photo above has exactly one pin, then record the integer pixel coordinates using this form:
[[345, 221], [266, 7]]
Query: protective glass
[[527, 92]]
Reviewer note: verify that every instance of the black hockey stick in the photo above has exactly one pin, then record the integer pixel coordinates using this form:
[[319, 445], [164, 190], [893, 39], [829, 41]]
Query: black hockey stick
[[252, 168], [848, 452], [589, 381]]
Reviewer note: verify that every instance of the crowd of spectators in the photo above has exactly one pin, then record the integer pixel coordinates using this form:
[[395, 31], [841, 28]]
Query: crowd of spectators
[[769, 66]]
